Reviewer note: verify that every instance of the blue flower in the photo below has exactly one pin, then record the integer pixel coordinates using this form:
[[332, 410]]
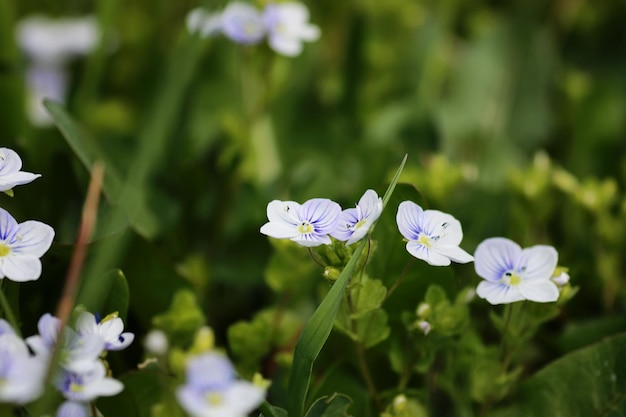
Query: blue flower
[[309, 224], [355, 222], [21, 246], [514, 274]]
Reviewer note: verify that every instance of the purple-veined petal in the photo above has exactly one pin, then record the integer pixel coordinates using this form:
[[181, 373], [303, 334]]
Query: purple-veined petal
[[496, 293], [33, 238], [540, 291], [10, 161], [422, 252], [444, 226], [312, 239], [371, 205], [8, 225], [347, 220], [21, 268], [494, 257], [537, 262], [409, 220], [322, 213]]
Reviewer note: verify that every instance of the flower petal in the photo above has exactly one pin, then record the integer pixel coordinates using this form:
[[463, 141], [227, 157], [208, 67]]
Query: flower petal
[[312, 239], [537, 262], [21, 268], [371, 205], [33, 238], [287, 212], [409, 220], [455, 253], [497, 293], [347, 220], [540, 291], [322, 213], [422, 252], [8, 225], [10, 161], [495, 256], [443, 225]]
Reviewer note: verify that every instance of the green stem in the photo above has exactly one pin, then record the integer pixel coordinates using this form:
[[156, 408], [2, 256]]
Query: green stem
[[399, 279], [317, 261], [4, 303]]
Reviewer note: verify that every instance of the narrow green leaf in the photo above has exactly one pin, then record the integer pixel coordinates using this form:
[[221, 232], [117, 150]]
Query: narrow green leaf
[[319, 326], [119, 296], [334, 406], [268, 410]]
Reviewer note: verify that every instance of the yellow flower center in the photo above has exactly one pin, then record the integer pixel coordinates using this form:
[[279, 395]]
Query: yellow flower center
[[214, 398], [512, 278], [424, 240], [360, 223], [305, 228], [4, 250], [74, 387]]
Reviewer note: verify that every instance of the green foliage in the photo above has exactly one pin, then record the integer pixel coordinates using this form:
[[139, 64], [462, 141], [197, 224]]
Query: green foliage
[[183, 317], [333, 406]]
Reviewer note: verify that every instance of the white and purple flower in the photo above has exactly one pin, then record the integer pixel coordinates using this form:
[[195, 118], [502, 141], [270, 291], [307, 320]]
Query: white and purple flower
[[110, 330], [87, 386], [21, 375], [212, 389], [355, 222], [242, 23], [309, 224], [288, 26], [21, 246], [73, 409], [10, 170], [513, 274], [433, 236]]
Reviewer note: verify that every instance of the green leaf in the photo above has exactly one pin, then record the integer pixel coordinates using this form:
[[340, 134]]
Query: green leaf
[[183, 317], [369, 295], [250, 341], [319, 326], [268, 410], [334, 406], [372, 328], [588, 382], [119, 296]]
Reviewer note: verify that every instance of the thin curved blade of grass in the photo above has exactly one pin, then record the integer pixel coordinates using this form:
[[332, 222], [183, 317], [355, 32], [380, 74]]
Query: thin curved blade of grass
[[319, 326]]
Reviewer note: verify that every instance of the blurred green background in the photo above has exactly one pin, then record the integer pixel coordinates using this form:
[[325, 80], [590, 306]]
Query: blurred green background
[[511, 112]]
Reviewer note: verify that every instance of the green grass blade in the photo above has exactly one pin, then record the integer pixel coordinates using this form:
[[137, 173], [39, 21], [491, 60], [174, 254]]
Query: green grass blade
[[319, 326]]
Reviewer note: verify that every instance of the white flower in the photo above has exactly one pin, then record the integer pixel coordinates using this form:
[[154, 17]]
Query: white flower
[[87, 386], [44, 82], [308, 224], [79, 353], [10, 170], [212, 390], [21, 375], [242, 23], [73, 409], [355, 222], [109, 330], [205, 24], [514, 274], [21, 246], [433, 236], [52, 41], [288, 26], [156, 342], [561, 279], [424, 326]]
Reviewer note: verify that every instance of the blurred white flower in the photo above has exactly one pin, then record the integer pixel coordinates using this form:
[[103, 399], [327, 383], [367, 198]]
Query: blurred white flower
[[110, 330], [200, 21], [49, 44], [561, 279], [156, 342], [355, 222], [242, 23], [73, 409], [212, 389], [288, 26], [88, 385], [10, 170], [21, 375], [21, 246], [52, 41]]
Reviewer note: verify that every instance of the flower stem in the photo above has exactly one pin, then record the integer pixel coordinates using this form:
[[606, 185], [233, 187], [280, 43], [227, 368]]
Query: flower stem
[[6, 307], [317, 261], [400, 278]]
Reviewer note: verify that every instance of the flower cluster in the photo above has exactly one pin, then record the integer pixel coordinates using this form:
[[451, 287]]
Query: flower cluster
[[510, 272], [212, 388], [49, 44], [81, 376], [21, 244], [286, 25]]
